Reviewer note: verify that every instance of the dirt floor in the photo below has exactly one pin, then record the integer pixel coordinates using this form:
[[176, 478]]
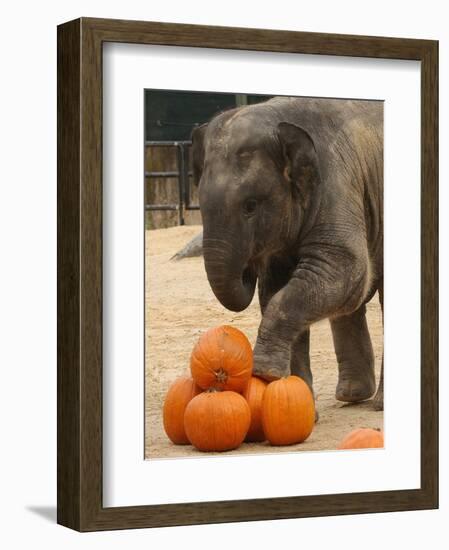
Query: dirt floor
[[180, 306]]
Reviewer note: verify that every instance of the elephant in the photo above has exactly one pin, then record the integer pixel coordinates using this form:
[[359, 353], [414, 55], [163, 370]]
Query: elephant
[[291, 198]]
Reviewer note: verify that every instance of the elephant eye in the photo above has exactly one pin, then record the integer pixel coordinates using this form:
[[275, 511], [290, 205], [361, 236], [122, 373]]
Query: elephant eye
[[245, 154], [250, 206]]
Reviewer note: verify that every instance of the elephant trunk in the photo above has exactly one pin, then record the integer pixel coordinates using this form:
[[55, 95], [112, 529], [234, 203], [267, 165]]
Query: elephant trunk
[[231, 277]]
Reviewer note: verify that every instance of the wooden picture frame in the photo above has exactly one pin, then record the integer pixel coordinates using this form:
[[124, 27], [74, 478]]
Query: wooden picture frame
[[80, 503]]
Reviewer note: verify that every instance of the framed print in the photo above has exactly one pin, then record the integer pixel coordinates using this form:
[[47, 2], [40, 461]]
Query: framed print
[[229, 310]]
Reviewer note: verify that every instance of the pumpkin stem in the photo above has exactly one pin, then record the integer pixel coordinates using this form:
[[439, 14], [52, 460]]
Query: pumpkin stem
[[221, 375]]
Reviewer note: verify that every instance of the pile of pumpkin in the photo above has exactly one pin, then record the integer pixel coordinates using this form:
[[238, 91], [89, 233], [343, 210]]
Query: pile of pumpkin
[[222, 404]]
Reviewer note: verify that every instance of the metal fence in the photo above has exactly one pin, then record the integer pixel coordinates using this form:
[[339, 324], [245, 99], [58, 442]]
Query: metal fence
[[183, 174]]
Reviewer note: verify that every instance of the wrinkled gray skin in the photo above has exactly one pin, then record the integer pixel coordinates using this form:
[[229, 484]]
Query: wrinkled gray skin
[[291, 197]]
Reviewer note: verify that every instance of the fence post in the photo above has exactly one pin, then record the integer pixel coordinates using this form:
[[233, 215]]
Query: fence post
[[181, 183]]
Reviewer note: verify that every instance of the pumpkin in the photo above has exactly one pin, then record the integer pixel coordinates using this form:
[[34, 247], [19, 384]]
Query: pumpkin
[[254, 392], [217, 420], [178, 396], [363, 438], [222, 359], [288, 411]]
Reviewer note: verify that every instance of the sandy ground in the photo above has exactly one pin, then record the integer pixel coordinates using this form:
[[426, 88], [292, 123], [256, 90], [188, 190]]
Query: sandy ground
[[180, 306]]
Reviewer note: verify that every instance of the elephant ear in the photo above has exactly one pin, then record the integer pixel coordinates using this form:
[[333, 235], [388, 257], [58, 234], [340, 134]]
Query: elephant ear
[[198, 134], [300, 160]]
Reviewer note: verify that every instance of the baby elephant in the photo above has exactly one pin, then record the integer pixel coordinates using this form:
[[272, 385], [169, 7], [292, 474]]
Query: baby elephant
[[291, 197]]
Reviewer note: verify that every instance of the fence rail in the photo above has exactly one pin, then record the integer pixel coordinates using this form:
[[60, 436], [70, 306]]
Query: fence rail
[[183, 174]]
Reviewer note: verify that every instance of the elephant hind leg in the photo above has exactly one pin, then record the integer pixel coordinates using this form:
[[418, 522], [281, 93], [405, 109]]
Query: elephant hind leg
[[352, 342]]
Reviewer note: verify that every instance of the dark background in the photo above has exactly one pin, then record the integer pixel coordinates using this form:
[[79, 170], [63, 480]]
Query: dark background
[[171, 115]]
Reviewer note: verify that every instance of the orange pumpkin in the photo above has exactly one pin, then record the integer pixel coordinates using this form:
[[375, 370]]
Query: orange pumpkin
[[254, 392], [178, 396], [288, 411], [217, 421], [363, 438], [222, 359]]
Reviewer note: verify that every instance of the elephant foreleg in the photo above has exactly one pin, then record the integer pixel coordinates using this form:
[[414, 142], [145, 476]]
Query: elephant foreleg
[[269, 284], [300, 358], [310, 295], [352, 342], [378, 401], [300, 361]]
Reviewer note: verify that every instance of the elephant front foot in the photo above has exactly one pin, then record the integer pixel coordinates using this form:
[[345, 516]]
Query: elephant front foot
[[271, 363], [378, 401], [355, 384]]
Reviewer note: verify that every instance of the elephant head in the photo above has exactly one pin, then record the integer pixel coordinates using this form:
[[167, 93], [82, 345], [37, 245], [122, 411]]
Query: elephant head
[[256, 178]]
